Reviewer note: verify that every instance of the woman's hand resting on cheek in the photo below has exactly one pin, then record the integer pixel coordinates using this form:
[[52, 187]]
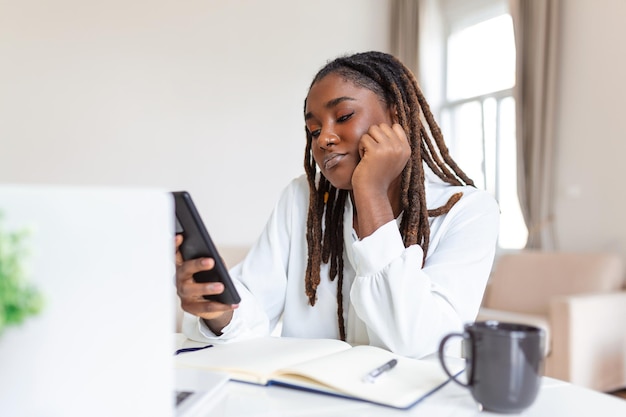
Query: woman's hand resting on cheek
[[376, 180], [191, 293], [384, 152]]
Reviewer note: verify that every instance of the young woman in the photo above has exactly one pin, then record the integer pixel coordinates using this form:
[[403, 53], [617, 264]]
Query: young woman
[[384, 241]]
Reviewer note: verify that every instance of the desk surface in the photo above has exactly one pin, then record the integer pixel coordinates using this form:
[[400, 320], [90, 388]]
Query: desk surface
[[556, 398]]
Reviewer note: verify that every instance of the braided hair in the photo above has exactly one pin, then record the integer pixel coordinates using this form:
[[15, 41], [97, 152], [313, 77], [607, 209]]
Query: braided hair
[[396, 86]]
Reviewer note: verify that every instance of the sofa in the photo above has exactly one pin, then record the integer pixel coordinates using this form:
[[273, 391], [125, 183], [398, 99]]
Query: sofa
[[579, 299]]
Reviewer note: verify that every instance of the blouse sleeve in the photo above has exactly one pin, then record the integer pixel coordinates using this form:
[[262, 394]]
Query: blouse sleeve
[[408, 307], [261, 279]]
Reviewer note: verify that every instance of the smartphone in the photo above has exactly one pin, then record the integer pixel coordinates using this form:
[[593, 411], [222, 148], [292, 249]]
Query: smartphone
[[198, 244]]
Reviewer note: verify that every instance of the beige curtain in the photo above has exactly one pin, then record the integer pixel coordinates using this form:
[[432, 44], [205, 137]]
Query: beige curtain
[[536, 28], [405, 33]]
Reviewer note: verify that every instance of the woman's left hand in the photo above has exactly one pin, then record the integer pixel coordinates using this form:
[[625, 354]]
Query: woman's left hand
[[384, 152]]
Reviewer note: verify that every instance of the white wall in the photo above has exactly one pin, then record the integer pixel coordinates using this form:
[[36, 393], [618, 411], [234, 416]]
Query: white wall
[[591, 127], [199, 95], [207, 96]]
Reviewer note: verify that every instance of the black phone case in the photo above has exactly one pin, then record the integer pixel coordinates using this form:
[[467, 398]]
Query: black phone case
[[198, 244]]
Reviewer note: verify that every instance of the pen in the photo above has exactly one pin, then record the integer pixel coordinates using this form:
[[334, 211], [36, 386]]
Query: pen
[[372, 375], [191, 349]]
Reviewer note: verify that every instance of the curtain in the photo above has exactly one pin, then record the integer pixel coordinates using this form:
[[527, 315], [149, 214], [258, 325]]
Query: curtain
[[536, 31], [405, 33]]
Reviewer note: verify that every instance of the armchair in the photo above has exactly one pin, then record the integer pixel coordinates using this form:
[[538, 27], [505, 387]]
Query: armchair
[[579, 299]]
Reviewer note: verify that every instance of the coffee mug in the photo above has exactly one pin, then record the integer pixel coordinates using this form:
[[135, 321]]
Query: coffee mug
[[503, 364]]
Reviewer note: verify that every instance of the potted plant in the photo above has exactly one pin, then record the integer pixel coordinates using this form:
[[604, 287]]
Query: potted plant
[[18, 299]]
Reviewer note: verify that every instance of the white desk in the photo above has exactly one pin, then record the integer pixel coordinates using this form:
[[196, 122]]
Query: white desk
[[555, 399]]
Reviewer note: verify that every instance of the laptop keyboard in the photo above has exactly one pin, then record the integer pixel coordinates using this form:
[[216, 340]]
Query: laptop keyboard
[[181, 396]]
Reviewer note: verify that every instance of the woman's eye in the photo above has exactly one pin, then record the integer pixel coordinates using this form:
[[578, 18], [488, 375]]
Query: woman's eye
[[314, 133], [345, 117]]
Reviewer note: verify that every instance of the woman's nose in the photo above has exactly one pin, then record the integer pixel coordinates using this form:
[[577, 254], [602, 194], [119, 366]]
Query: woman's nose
[[326, 139]]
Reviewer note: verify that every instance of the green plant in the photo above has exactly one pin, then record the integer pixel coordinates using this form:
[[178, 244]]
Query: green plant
[[18, 299]]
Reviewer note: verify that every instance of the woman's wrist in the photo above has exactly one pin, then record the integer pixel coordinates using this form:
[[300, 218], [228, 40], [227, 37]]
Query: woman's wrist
[[216, 325]]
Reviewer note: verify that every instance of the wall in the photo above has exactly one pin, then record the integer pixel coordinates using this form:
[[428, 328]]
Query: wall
[[591, 133], [199, 95], [207, 96]]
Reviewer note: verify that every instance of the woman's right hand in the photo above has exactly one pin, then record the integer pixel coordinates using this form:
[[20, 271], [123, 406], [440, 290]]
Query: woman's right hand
[[191, 293]]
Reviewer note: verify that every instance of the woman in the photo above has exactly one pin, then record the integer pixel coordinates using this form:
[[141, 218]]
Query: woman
[[385, 241]]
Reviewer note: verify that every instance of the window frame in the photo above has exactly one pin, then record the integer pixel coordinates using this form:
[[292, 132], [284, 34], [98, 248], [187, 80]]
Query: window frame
[[453, 16]]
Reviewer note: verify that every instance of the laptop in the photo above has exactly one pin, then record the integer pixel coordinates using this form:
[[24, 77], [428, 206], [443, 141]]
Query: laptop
[[198, 391], [102, 261]]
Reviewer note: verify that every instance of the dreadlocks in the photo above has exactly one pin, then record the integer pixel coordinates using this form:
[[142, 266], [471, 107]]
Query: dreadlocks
[[396, 86]]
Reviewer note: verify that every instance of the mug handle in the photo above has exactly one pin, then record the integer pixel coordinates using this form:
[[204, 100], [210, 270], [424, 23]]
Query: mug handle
[[442, 357]]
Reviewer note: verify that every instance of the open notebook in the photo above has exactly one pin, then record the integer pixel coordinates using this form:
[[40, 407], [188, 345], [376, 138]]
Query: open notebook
[[102, 260], [325, 366]]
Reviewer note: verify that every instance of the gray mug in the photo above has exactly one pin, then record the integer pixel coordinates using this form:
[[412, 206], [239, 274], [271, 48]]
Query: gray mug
[[503, 364]]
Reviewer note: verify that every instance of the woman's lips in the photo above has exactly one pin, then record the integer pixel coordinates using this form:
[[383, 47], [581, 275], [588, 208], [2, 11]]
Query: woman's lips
[[333, 159]]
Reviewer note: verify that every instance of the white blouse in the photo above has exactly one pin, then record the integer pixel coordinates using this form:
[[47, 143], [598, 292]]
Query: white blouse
[[390, 300]]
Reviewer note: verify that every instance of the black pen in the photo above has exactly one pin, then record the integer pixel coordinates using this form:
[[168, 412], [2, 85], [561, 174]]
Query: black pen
[[191, 349], [372, 375]]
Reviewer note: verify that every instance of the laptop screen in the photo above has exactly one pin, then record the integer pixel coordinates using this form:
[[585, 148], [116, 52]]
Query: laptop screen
[[101, 260]]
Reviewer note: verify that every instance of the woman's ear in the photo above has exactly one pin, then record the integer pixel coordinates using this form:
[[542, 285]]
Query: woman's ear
[[393, 114]]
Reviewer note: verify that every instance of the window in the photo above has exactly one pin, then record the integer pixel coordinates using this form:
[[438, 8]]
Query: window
[[476, 107]]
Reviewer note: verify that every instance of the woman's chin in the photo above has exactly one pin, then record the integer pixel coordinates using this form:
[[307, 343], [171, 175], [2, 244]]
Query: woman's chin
[[340, 184]]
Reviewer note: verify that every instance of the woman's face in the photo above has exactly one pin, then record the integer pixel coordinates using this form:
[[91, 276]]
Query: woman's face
[[338, 113]]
